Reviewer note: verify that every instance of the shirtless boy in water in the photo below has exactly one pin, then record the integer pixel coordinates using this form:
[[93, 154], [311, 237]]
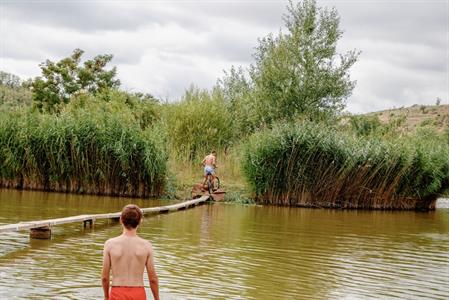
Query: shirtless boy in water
[[127, 256]]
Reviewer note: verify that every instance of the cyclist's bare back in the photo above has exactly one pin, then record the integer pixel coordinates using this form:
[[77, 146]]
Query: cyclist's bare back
[[210, 163]]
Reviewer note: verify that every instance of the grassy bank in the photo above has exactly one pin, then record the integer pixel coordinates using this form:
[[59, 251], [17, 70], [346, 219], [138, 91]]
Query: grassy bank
[[185, 173], [312, 165], [92, 146]]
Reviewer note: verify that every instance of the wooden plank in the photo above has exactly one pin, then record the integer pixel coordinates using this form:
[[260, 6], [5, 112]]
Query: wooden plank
[[81, 218]]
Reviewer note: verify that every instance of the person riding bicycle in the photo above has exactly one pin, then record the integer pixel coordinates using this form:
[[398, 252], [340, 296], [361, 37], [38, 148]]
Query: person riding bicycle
[[209, 162]]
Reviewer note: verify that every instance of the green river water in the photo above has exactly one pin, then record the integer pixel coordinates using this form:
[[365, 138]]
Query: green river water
[[229, 251]]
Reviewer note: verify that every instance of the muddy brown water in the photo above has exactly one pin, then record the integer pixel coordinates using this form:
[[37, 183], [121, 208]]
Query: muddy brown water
[[229, 251]]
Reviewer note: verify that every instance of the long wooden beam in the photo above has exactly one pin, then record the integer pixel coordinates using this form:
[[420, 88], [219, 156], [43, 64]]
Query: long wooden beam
[[92, 218]]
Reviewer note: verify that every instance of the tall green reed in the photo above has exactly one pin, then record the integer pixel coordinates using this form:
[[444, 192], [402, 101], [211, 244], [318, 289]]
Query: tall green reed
[[198, 123], [92, 146], [309, 164]]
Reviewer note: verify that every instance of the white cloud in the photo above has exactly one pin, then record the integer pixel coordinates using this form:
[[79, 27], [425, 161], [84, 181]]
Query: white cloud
[[162, 47]]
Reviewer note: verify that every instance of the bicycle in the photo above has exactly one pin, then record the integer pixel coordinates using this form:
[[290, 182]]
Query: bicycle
[[212, 183]]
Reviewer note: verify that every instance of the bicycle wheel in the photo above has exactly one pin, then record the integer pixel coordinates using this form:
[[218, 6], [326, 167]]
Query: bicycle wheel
[[215, 184], [209, 184]]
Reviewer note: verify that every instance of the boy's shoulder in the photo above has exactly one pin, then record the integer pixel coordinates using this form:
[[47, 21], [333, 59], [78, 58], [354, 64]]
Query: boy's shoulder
[[109, 243], [144, 241]]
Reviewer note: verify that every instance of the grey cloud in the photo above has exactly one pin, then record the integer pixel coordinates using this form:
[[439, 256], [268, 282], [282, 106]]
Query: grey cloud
[[122, 15], [228, 46], [422, 60], [382, 85], [408, 39], [162, 47], [408, 21], [260, 13], [81, 15], [229, 50], [56, 43], [404, 55]]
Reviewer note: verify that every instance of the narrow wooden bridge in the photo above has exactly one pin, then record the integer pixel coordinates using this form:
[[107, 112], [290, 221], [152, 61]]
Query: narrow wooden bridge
[[42, 229]]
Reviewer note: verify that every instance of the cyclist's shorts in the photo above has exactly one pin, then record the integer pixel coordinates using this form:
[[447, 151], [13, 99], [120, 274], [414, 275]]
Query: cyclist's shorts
[[209, 170]]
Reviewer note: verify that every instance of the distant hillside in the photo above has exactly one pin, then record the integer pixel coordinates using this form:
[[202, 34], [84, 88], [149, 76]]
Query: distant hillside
[[417, 116]]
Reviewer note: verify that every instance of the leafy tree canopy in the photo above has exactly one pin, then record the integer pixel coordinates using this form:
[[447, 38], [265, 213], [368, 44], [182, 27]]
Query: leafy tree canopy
[[9, 80], [295, 73], [60, 80]]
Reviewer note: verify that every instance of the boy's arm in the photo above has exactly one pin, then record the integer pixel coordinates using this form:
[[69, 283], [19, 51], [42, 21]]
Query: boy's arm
[[152, 276], [105, 271]]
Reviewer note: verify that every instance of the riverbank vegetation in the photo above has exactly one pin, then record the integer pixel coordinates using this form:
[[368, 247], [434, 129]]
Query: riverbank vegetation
[[278, 127], [309, 164], [13, 92], [92, 146]]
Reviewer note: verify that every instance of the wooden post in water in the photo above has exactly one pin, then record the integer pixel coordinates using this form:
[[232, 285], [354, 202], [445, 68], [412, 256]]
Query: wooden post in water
[[43, 233], [91, 223]]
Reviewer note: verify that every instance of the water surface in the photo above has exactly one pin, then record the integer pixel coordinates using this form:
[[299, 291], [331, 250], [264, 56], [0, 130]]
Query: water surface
[[224, 251]]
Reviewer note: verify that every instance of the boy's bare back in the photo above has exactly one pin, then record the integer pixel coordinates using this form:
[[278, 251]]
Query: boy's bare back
[[128, 257]]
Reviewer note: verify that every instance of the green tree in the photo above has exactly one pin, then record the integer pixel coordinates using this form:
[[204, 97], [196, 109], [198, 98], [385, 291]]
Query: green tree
[[236, 90], [9, 80], [300, 71], [198, 123], [62, 79], [13, 92], [296, 73]]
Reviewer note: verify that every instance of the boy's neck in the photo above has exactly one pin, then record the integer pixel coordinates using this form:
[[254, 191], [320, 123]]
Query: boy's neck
[[129, 232]]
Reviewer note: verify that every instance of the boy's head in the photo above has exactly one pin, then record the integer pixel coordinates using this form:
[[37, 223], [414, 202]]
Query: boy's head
[[131, 216], [214, 153]]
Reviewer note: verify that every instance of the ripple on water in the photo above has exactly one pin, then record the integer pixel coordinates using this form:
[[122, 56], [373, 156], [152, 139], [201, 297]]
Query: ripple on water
[[239, 252]]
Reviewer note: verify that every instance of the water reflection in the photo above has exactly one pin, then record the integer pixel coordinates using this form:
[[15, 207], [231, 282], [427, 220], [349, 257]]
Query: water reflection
[[236, 252]]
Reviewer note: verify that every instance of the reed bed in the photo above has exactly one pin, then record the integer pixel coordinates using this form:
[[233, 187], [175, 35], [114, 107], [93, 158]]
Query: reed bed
[[198, 123], [93, 146], [313, 165]]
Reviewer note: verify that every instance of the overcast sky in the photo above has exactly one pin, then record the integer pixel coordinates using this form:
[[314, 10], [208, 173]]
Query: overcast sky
[[161, 47]]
